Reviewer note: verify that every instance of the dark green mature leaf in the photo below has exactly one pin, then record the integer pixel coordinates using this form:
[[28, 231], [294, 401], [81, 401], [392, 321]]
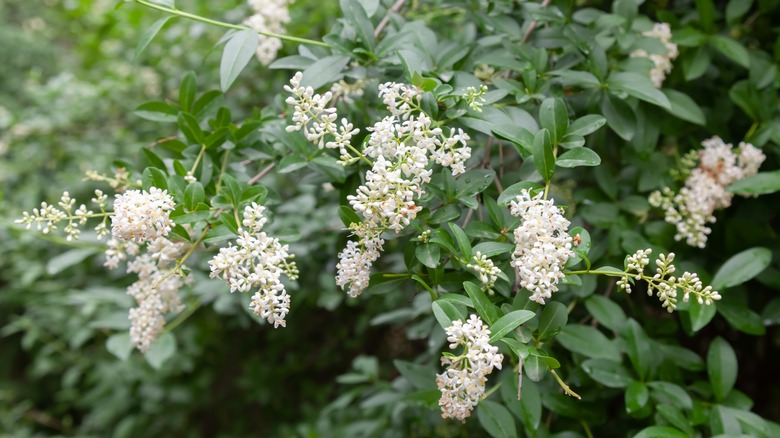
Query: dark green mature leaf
[[640, 350], [721, 367], [428, 254], [462, 240], [348, 216], [638, 86], [509, 322], [544, 157], [238, 51], [577, 78], [552, 320], [510, 193], [620, 116], [606, 312], [148, 35], [761, 183], [700, 315], [660, 431], [607, 372], [420, 376], [578, 157], [695, 63], [324, 71], [732, 49], [491, 249], [187, 91], [194, 194], [486, 310], [683, 107], [588, 341], [496, 419], [555, 118], [157, 111], [742, 267], [357, 17], [586, 125], [445, 313], [636, 397], [666, 392], [736, 9], [535, 368]]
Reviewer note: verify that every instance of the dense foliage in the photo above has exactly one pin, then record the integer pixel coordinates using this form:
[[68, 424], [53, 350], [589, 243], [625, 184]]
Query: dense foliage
[[426, 212]]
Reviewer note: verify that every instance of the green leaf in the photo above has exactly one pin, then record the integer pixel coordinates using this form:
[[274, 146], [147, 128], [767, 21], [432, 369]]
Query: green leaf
[[157, 111], [428, 254], [620, 116], [577, 78], [535, 368], [607, 372], [731, 49], [191, 129], [588, 341], [492, 249], [348, 216], [555, 118], [161, 350], [510, 193], [462, 240], [721, 367], [695, 63], [486, 310], [683, 107], [706, 12], [153, 177], [587, 124], [700, 315], [739, 315], [606, 312], [239, 50], [742, 267], [638, 86], [660, 431], [193, 195], [761, 183], [578, 157], [496, 420], [544, 157], [552, 320], [666, 392], [356, 16], [420, 376], [69, 258], [445, 313], [640, 349], [120, 345], [509, 322], [148, 35], [187, 92], [736, 9], [324, 71], [636, 397]]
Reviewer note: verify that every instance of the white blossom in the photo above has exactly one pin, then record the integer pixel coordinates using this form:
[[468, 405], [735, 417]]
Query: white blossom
[[462, 384], [542, 245], [487, 271], [271, 16], [141, 216], [662, 62]]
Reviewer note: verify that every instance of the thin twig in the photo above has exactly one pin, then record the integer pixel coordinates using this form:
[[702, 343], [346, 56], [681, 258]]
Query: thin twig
[[161, 141], [386, 19], [262, 173], [533, 25]]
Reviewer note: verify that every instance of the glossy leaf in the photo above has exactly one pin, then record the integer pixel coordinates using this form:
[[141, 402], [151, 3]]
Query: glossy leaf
[[509, 322], [544, 158], [721, 367], [742, 267], [578, 157]]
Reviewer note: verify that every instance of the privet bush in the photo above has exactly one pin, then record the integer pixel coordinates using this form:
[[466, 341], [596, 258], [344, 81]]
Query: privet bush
[[500, 176]]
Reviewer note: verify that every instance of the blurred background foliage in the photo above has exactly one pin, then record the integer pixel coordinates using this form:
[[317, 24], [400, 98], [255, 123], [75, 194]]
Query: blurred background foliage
[[68, 86]]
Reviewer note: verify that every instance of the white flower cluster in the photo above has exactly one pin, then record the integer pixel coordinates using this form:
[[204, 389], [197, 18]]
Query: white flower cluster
[[142, 216], [271, 16], [705, 189], [542, 245], [662, 61], [258, 261], [487, 271], [663, 283], [348, 91], [47, 217], [462, 384], [312, 115]]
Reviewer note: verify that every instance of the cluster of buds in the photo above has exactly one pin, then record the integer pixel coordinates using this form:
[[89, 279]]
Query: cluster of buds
[[462, 384], [476, 98], [705, 188], [487, 271], [662, 62], [663, 283], [348, 91], [48, 216]]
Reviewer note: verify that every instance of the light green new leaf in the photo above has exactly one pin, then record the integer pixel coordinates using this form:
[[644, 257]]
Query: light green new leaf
[[496, 419], [742, 267], [721, 367], [509, 322], [578, 157], [761, 183], [683, 107], [161, 350], [638, 86], [239, 49], [544, 158]]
